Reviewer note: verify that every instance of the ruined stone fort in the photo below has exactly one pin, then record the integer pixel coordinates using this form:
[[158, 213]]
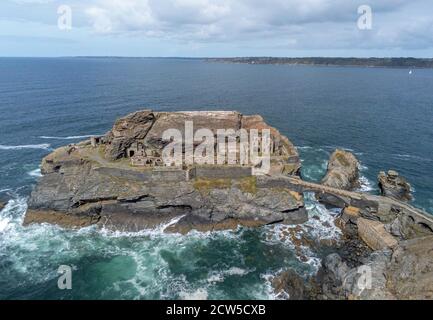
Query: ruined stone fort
[[138, 137]]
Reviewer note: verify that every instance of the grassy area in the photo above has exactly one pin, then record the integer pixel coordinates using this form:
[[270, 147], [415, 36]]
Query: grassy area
[[247, 184], [206, 185], [342, 159]]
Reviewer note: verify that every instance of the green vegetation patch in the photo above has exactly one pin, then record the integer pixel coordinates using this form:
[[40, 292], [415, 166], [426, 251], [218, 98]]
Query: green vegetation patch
[[342, 159], [206, 185], [248, 184]]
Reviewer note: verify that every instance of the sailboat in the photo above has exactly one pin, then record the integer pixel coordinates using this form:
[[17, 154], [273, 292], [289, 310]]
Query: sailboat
[[410, 71]]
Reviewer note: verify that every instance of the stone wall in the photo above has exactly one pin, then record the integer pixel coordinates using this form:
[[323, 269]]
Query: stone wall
[[233, 172], [169, 175], [157, 174]]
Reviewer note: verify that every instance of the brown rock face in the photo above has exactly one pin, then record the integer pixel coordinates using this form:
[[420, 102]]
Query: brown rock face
[[410, 273], [343, 172], [373, 233], [392, 185], [288, 285]]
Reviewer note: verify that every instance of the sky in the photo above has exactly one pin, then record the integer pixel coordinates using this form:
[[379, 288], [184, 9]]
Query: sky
[[216, 28]]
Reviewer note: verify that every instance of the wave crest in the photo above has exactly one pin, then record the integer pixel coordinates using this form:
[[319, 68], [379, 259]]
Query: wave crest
[[44, 146], [69, 137]]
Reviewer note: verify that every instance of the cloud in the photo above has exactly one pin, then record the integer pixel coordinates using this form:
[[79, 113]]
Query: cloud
[[284, 24], [299, 23]]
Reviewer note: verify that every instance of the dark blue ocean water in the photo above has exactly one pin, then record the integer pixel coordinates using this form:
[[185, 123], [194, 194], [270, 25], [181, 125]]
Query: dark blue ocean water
[[383, 115]]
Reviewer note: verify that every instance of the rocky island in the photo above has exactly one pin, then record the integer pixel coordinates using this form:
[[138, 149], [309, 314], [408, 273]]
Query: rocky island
[[121, 181]]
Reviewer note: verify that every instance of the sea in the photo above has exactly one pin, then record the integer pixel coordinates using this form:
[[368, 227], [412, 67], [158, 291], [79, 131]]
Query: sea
[[384, 116]]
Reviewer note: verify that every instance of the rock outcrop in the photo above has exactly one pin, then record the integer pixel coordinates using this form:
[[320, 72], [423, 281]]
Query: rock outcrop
[[288, 285], [366, 281], [410, 271], [2, 205], [343, 172], [373, 233], [392, 185], [404, 274], [80, 198]]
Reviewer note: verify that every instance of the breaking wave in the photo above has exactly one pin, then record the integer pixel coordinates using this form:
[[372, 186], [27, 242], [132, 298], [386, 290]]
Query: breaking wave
[[319, 228], [365, 184], [28, 146], [144, 265], [408, 157], [305, 241], [69, 137], [154, 265], [35, 173]]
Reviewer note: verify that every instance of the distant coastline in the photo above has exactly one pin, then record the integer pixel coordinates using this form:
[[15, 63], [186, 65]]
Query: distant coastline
[[391, 62], [343, 62]]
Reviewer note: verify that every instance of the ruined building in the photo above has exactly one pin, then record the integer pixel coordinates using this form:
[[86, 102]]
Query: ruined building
[[138, 137]]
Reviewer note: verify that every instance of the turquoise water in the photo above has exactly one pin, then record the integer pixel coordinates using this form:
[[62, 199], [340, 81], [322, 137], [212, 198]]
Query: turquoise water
[[382, 115], [150, 264]]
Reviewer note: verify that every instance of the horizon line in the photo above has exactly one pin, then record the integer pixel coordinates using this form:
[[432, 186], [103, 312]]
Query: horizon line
[[224, 57]]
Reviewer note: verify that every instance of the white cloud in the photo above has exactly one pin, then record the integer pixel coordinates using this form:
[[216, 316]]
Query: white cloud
[[299, 23], [291, 24]]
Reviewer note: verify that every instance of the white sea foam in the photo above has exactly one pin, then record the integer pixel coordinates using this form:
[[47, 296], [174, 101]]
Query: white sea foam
[[269, 289], [11, 212], [219, 276], [150, 273], [157, 231], [320, 226], [321, 220], [311, 148], [236, 271], [365, 184], [28, 146], [199, 294], [69, 137], [35, 173], [337, 147], [304, 147], [362, 167], [409, 157]]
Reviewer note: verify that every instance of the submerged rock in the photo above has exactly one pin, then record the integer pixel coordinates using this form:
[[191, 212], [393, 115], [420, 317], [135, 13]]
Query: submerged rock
[[342, 172], [288, 285], [392, 185]]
